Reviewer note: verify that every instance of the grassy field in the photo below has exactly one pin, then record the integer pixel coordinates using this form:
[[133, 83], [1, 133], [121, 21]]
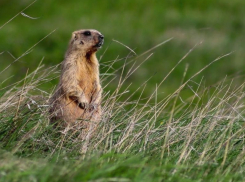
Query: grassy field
[[198, 139], [217, 27], [173, 112]]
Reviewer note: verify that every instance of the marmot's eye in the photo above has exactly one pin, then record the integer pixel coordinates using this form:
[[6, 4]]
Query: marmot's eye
[[87, 33]]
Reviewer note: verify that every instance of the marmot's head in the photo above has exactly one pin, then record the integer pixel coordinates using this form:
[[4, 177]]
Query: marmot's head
[[87, 40]]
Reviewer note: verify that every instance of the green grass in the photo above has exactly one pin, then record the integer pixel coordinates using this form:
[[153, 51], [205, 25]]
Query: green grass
[[185, 123], [200, 138], [219, 25]]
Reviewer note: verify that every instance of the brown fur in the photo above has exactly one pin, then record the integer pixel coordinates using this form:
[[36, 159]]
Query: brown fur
[[78, 95]]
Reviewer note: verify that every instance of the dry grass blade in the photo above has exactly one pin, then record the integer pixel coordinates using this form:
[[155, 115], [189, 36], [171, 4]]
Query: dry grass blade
[[25, 15], [125, 46]]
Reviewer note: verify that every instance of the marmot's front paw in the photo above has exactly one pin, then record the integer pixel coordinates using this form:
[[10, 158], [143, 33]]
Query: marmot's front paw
[[87, 106], [84, 105]]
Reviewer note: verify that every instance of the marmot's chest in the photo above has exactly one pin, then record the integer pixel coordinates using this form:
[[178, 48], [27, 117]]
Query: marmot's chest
[[88, 79], [89, 88], [87, 85]]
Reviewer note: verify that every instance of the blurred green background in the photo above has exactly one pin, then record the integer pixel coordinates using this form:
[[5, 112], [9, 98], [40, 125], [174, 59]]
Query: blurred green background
[[139, 24]]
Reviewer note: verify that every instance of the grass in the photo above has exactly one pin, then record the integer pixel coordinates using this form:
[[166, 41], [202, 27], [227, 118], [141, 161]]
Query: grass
[[137, 24], [200, 138], [194, 132]]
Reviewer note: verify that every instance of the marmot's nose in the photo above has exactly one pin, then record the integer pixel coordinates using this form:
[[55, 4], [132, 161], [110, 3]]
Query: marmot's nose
[[101, 37]]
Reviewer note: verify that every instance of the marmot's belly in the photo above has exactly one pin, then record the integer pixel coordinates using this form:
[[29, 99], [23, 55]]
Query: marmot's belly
[[69, 111]]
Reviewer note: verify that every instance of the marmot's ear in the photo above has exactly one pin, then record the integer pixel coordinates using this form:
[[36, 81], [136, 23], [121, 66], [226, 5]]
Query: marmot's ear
[[74, 36]]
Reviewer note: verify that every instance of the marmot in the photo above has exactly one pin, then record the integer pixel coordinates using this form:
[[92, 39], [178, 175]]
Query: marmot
[[78, 95]]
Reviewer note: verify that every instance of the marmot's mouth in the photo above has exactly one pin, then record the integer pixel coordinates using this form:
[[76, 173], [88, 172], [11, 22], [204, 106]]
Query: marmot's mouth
[[99, 44]]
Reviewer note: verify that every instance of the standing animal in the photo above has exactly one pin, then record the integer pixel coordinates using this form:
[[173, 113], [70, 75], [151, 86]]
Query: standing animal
[[77, 98]]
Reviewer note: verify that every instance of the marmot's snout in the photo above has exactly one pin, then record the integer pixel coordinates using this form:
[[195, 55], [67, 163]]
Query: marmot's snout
[[101, 37], [101, 41]]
